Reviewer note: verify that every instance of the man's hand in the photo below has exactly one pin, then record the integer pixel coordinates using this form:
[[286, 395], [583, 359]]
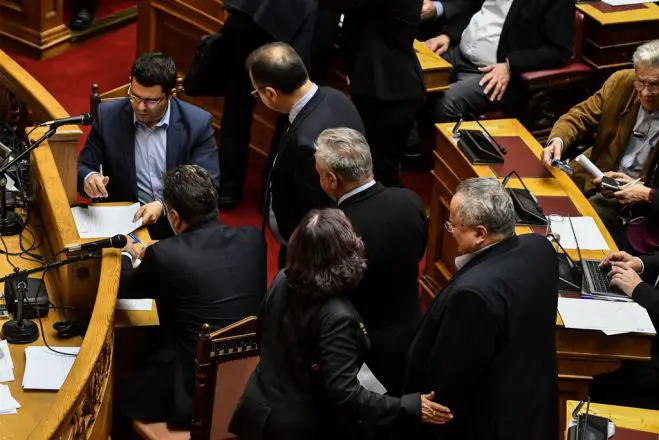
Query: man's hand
[[149, 213], [432, 412], [551, 152], [135, 250], [619, 177], [95, 186], [439, 44], [624, 260], [428, 11], [495, 81], [634, 194], [624, 279]]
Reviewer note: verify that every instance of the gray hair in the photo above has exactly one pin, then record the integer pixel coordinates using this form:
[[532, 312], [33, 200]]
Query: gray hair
[[345, 152], [647, 54], [485, 202]]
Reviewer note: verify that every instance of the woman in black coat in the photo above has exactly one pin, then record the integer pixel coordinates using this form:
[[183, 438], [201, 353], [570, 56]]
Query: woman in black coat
[[312, 345]]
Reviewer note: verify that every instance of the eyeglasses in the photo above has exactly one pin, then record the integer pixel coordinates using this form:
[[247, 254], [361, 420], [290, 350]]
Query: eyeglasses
[[450, 227], [149, 102], [650, 86], [255, 92]]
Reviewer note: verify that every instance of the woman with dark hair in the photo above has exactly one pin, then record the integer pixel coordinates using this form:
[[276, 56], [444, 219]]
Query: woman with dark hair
[[312, 345]]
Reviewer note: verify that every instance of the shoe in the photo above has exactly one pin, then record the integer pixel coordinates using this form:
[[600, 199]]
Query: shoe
[[83, 19], [228, 198]]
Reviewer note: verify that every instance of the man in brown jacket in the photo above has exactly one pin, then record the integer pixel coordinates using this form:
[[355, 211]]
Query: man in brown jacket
[[623, 119]]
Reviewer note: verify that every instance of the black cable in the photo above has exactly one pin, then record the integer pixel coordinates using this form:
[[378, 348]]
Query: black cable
[[6, 252]]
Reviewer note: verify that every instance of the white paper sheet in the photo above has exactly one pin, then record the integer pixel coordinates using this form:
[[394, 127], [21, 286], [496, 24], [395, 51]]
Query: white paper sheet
[[105, 221], [6, 364], [134, 304], [46, 370], [368, 380], [585, 230], [623, 2], [8, 405], [612, 317]]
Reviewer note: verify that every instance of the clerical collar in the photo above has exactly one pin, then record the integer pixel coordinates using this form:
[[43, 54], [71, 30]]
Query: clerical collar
[[357, 190]]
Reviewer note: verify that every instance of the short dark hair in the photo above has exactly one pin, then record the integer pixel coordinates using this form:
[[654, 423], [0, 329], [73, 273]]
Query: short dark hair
[[325, 257], [155, 69], [189, 190], [277, 65]]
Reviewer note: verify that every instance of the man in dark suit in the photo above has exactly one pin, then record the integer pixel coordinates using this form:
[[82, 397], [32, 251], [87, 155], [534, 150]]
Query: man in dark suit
[[386, 82], [207, 273], [252, 23], [491, 42], [280, 80], [634, 384], [133, 141], [392, 223], [487, 342]]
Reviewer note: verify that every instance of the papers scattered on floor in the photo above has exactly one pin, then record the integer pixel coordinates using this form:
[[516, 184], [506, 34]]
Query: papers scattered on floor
[[623, 2], [105, 221], [612, 317], [8, 405], [45, 369], [585, 230], [6, 365], [134, 304]]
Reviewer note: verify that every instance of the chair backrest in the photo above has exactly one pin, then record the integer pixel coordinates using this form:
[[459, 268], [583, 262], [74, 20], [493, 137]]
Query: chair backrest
[[579, 35], [225, 360], [96, 97]]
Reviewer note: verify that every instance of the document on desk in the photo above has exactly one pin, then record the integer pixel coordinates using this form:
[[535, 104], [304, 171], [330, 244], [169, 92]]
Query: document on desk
[[6, 365], [45, 369], [8, 405], [105, 221], [624, 2], [585, 230], [612, 317], [134, 304]]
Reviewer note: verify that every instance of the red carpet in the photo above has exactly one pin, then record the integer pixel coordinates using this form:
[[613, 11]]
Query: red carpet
[[107, 61]]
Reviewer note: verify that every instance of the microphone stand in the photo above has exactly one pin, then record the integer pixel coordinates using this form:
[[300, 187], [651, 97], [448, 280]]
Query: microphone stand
[[10, 222], [20, 330]]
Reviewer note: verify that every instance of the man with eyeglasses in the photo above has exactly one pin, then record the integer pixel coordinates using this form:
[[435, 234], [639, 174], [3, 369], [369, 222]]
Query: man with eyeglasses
[[623, 119], [134, 141]]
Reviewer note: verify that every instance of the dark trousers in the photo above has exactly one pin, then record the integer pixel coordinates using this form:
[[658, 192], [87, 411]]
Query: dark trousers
[[242, 37], [388, 125]]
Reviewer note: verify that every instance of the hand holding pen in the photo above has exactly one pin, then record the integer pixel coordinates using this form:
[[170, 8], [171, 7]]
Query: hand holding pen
[[96, 183]]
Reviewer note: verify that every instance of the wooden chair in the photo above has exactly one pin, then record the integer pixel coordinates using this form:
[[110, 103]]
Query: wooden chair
[[225, 360], [96, 97]]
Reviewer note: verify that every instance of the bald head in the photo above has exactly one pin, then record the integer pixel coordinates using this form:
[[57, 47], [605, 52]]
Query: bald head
[[277, 65]]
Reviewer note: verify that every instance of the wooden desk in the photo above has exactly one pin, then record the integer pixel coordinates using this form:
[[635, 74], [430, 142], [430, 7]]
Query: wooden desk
[[581, 354], [613, 33], [644, 420]]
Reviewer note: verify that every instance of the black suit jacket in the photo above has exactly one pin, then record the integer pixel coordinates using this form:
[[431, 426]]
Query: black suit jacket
[[536, 35], [211, 274], [377, 40], [647, 295], [392, 223], [487, 345], [111, 142], [294, 183], [305, 385]]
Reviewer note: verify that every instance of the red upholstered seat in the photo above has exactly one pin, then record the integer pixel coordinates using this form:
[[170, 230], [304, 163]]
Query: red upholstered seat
[[564, 73], [158, 431]]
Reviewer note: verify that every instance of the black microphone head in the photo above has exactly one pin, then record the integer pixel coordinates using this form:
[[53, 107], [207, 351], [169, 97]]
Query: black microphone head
[[119, 241], [86, 119]]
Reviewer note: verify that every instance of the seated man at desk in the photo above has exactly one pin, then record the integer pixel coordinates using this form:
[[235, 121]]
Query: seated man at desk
[[634, 384], [623, 118], [207, 273], [134, 140], [490, 42]]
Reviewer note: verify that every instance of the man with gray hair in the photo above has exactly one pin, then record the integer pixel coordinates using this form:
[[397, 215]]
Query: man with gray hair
[[486, 346], [392, 223], [623, 119]]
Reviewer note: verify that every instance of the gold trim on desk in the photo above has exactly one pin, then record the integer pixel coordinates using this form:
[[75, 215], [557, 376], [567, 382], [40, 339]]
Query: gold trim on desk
[[650, 12]]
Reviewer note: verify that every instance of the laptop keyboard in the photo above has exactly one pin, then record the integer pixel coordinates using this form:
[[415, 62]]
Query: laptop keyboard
[[600, 278]]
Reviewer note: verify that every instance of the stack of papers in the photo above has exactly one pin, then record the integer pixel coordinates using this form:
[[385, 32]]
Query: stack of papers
[[6, 365], [612, 317], [105, 221], [587, 234], [134, 304], [8, 405], [624, 2], [45, 369]]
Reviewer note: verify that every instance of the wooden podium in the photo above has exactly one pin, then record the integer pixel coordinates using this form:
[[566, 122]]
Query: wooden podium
[[581, 354]]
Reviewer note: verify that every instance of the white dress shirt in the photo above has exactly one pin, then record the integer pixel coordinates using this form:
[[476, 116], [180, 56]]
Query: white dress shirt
[[480, 40], [355, 191], [640, 145]]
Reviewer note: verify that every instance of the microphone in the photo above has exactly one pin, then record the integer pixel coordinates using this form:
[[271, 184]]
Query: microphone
[[118, 241], [503, 150], [83, 119]]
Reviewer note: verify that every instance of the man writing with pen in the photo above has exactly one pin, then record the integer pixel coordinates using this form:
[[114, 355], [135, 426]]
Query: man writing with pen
[[135, 140]]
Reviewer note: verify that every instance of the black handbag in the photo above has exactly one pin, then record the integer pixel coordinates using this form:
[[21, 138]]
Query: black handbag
[[205, 75]]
